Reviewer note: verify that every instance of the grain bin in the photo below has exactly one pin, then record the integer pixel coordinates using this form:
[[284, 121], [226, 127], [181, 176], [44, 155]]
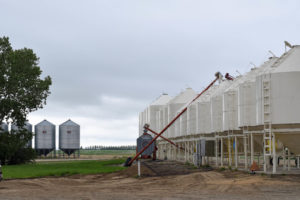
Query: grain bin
[[284, 85], [4, 127], [278, 99], [27, 126], [177, 103], [216, 101], [203, 111], [177, 127], [44, 137], [247, 94], [154, 107], [193, 113], [142, 142], [69, 137]]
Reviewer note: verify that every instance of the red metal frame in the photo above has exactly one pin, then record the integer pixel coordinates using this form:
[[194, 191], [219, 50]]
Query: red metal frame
[[164, 138], [161, 132]]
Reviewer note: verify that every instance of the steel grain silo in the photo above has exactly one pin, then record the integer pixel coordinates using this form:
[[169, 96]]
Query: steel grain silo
[[69, 137], [203, 111], [27, 126], [174, 107], [149, 115], [216, 101], [4, 127], [44, 137]]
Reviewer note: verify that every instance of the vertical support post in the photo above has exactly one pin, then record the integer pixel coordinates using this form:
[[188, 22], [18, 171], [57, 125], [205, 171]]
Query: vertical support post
[[252, 149], [180, 152], [274, 154], [284, 158], [188, 151], [222, 152], [235, 152], [139, 168], [176, 151], [289, 160], [185, 152], [166, 152], [298, 164], [173, 152], [264, 154], [195, 147], [191, 151], [216, 146], [245, 153], [229, 152], [170, 151]]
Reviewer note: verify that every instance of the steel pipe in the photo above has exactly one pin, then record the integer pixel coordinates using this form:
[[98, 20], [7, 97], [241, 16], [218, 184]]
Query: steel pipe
[[218, 75]]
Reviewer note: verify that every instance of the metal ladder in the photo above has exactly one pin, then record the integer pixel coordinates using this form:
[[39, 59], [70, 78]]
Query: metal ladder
[[266, 84]]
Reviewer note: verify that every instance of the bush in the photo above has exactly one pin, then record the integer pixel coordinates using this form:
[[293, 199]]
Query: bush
[[14, 147]]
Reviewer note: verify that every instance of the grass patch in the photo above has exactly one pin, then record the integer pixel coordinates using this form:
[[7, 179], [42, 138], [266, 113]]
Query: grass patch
[[34, 170], [106, 152]]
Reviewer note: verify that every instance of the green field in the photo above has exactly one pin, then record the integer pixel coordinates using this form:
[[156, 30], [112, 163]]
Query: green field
[[43, 169], [106, 152]]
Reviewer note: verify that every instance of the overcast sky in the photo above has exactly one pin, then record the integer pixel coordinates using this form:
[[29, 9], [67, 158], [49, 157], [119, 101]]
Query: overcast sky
[[109, 59]]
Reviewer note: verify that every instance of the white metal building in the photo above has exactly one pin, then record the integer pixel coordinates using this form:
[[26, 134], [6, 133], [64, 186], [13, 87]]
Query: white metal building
[[253, 118]]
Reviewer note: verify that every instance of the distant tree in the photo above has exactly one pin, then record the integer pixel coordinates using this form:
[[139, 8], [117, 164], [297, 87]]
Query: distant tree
[[21, 92]]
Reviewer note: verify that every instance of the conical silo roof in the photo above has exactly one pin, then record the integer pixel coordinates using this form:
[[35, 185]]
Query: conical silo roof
[[161, 100], [206, 95], [45, 123], [251, 75], [289, 61], [69, 123], [184, 97]]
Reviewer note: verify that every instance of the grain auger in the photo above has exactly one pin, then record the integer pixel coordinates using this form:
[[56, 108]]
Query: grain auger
[[130, 160]]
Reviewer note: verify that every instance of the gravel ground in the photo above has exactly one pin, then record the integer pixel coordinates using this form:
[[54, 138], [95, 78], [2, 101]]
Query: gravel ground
[[160, 180]]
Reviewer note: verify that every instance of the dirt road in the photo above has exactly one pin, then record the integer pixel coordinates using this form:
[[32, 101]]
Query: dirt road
[[162, 180]]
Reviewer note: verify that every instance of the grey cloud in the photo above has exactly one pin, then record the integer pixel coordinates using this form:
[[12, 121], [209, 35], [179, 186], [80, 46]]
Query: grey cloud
[[136, 50]]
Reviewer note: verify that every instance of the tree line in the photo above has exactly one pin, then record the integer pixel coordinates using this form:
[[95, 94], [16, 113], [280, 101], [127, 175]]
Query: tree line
[[100, 147]]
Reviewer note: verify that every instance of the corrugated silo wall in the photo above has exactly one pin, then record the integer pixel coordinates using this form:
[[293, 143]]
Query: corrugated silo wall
[[69, 137]]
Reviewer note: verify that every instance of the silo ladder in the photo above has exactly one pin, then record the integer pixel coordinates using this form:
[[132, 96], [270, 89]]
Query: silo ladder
[[267, 117]]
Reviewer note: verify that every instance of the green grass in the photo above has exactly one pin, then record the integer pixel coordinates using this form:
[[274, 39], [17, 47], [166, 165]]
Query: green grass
[[43, 169], [107, 152]]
